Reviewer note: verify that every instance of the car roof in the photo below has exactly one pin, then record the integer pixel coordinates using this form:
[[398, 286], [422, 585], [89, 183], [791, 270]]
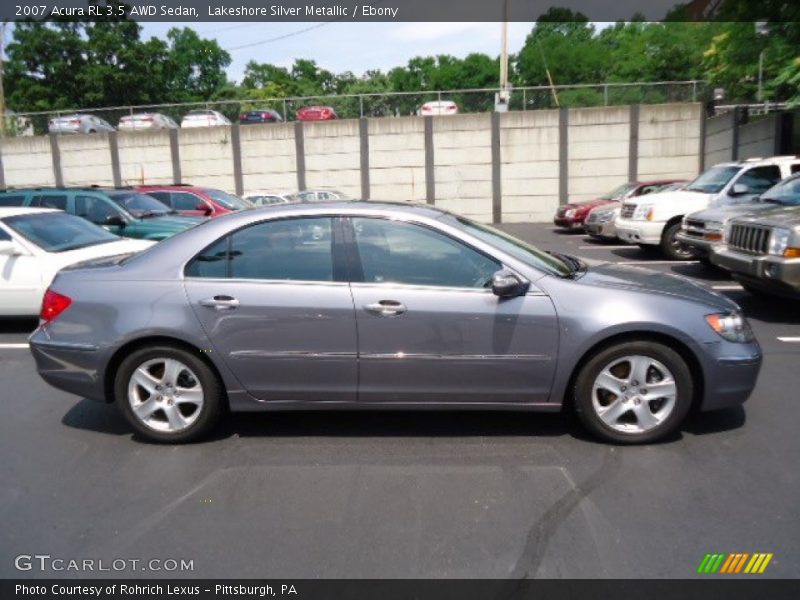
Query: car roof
[[355, 206], [13, 211]]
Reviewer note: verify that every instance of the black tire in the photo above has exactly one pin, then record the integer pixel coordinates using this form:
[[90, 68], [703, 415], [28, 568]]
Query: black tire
[[92, 131], [585, 380], [212, 392], [671, 247]]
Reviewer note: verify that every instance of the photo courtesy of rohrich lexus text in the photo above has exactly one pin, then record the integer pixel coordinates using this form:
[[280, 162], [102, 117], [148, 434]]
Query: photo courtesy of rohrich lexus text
[[465, 299]]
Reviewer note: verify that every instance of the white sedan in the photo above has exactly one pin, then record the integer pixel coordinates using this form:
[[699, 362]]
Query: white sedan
[[204, 118], [35, 243]]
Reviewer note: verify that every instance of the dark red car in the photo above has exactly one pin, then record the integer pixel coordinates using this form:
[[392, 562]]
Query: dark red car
[[573, 215], [195, 201], [316, 113]]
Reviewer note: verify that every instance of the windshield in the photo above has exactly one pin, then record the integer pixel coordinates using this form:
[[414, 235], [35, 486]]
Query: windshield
[[619, 193], [512, 246], [227, 200], [713, 180], [59, 231], [138, 204], [786, 192]]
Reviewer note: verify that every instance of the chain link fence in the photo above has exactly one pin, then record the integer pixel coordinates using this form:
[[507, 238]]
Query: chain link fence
[[392, 104]]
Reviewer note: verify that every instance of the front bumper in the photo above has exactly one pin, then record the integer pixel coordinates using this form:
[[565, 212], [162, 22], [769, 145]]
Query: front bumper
[[730, 379], [639, 232], [700, 246], [605, 230], [568, 222], [773, 274], [73, 368]]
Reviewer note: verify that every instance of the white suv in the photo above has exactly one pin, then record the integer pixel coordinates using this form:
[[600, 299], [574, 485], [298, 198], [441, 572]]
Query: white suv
[[655, 219]]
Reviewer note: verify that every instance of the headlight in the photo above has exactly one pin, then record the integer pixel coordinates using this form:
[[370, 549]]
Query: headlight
[[643, 212], [778, 241], [570, 213], [731, 326], [605, 217]]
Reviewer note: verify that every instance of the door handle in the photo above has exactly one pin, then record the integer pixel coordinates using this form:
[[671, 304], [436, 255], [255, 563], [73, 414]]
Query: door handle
[[220, 302], [386, 308]]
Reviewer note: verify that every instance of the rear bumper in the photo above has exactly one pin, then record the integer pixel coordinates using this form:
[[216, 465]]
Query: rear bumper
[[773, 274], [602, 230], [639, 232], [73, 368]]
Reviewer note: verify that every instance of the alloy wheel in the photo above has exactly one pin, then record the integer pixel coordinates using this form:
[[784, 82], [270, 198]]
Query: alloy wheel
[[165, 395]]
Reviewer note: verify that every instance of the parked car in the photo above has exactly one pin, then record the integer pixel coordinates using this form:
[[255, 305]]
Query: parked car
[[78, 123], [146, 121], [401, 306], [762, 249], [574, 214], [316, 113], [599, 223], [196, 201], [121, 211], [204, 118], [438, 107], [36, 242], [266, 198], [656, 220], [265, 115], [704, 229], [317, 196]]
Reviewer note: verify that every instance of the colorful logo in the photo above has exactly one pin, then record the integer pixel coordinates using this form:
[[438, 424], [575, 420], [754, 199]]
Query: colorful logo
[[735, 563]]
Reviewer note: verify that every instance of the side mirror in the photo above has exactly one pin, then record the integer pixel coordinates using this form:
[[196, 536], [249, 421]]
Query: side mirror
[[10, 248], [507, 285], [115, 221], [739, 189]]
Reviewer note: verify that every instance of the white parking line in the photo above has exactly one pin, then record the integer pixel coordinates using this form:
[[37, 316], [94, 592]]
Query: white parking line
[[790, 340], [12, 346], [604, 247], [727, 286]]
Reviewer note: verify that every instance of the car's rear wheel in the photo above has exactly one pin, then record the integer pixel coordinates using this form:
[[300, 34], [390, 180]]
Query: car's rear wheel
[[168, 394], [672, 247], [634, 392]]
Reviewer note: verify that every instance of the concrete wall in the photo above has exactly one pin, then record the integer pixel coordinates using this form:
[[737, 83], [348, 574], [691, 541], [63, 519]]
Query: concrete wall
[[757, 138], [516, 166], [728, 138], [719, 139]]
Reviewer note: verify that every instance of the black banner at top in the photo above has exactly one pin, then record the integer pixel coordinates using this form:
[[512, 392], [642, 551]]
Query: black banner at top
[[395, 10]]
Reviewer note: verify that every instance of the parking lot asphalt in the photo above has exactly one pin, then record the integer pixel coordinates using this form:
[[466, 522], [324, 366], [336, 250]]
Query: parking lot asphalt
[[408, 495]]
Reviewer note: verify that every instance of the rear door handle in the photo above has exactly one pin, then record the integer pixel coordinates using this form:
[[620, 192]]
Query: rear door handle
[[386, 308], [220, 302]]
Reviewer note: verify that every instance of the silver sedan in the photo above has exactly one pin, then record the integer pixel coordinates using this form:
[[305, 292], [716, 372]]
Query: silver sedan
[[395, 306]]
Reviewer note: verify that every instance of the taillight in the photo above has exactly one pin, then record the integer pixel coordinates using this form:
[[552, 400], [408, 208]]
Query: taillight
[[53, 305]]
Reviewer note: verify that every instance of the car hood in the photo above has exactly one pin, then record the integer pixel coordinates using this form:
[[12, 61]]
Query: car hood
[[779, 216], [678, 197], [721, 213], [637, 279]]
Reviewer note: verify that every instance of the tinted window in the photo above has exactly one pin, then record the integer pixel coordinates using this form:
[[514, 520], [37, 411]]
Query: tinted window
[[138, 204], [57, 232], [94, 209], [228, 200], [787, 192], [161, 197], [795, 168], [11, 200], [50, 201], [760, 179], [285, 250], [4, 236], [397, 252], [185, 201], [713, 180]]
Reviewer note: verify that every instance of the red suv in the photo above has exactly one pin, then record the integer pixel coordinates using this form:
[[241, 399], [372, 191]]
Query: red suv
[[195, 200], [573, 215]]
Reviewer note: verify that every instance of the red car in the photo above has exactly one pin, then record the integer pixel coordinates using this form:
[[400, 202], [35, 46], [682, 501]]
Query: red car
[[196, 201], [573, 215], [316, 113]]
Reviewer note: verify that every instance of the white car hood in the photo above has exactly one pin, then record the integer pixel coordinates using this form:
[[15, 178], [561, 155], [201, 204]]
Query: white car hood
[[679, 202]]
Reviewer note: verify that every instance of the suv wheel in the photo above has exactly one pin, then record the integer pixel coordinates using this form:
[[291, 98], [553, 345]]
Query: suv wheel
[[671, 247], [635, 392], [168, 394]]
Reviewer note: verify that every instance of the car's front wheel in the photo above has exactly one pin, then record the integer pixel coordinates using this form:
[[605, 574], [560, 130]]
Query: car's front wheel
[[634, 392], [673, 248], [168, 394]]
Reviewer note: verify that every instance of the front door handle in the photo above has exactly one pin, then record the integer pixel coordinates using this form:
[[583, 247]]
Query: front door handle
[[220, 302], [386, 308]]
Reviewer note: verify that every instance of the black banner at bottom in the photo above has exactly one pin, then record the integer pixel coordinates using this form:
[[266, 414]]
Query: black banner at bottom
[[398, 589]]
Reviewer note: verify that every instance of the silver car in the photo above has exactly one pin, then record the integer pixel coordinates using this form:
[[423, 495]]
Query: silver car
[[79, 123], [396, 306], [146, 121]]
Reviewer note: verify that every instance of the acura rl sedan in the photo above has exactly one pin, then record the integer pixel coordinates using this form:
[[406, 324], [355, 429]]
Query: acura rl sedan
[[394, 306]]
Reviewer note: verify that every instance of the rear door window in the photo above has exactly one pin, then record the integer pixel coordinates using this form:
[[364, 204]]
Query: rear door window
[[94, 209], [760, 179], [58, 201], [185, 201]]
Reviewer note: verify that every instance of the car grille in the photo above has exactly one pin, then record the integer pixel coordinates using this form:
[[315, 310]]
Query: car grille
[[627, 211], [749, 238]]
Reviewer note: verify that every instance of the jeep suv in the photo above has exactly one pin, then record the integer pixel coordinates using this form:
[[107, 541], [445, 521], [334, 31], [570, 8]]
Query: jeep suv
[[762, 250], [121, 211], [656, 220]]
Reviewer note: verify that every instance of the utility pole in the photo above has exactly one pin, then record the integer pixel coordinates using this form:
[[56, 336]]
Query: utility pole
[[2, 69]]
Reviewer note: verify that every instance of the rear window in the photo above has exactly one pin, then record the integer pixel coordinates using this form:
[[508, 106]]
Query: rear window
[[12, 200]]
